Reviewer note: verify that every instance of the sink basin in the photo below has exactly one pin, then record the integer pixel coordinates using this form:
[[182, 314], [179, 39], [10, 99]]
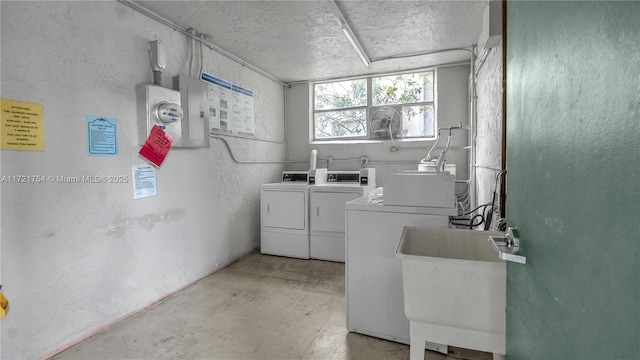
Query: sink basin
[[454, 289]]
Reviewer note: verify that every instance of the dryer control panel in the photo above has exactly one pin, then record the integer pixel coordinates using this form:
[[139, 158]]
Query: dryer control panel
[[310, 177], [295, 176], [343, 177], [363, 177]]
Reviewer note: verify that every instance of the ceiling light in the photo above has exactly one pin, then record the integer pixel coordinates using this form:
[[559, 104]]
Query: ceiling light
[[356, 45], [342, 22]]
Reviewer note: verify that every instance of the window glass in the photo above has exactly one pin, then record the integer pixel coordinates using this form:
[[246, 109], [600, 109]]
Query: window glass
[[343, 94], [402, 89], [341, 124], [418, 121]]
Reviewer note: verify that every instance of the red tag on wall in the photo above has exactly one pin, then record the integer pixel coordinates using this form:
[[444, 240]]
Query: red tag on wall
[[157, 146]]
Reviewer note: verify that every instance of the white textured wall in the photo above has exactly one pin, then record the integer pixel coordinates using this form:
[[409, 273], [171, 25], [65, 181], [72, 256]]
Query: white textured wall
[[489, 127], [76, 257], [451, 107]]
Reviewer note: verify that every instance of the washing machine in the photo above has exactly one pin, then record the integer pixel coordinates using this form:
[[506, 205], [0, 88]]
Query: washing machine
[[284, 213], [327, 210], [375, 303]]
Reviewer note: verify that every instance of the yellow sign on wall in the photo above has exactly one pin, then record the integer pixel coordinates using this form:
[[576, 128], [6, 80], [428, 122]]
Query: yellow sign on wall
[[4, 306], [22, 126]]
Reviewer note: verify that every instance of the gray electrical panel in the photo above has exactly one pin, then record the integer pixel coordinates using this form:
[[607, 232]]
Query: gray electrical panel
[[195, 121]]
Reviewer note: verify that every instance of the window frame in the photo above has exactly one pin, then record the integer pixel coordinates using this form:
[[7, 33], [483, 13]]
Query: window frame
[[369, 108]]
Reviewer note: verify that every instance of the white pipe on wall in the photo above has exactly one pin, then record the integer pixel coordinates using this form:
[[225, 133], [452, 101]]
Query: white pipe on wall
[[472, 131], [233, 157], [314, 159]]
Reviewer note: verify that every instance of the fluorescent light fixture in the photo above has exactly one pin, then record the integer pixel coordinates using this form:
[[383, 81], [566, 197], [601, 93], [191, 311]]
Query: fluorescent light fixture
[[333, 7], [356, 45]]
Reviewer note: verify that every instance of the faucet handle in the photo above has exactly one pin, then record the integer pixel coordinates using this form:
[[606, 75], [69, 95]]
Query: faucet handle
[[512, 244], [512, 239]]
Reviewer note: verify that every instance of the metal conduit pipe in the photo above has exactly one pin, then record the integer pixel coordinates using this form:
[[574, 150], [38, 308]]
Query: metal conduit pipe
[[414, 162], [392, 162], [186, 32], [233, 157], [487, 167], [482, 57], [412, 70], [194, 36]]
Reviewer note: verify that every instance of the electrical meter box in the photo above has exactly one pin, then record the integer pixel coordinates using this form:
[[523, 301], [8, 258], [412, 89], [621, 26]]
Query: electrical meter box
[[195, 106], [159, 106], [182, 113]]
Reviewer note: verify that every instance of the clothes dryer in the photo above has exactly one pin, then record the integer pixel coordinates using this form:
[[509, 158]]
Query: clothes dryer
[[284, 213], [327, 210]]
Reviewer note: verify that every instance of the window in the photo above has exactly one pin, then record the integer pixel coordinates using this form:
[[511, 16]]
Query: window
[[384, 107]]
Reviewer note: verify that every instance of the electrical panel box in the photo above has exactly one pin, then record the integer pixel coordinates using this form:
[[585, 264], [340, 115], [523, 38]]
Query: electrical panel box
[[159, 106], [195, 106]]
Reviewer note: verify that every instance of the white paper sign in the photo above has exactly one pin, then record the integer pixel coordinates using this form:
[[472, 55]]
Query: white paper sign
[[144, 181]]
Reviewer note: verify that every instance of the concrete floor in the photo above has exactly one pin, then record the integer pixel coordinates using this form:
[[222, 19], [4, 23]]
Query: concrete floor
[[260, 307]]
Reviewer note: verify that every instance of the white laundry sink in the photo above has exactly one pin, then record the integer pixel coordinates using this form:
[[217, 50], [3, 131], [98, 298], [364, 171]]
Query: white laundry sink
[[454, 289]]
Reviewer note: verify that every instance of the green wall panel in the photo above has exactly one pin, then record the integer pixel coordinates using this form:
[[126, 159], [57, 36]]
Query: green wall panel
[[573, 183]]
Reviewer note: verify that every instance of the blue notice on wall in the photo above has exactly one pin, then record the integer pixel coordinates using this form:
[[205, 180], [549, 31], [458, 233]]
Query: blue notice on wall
[[102, 136]]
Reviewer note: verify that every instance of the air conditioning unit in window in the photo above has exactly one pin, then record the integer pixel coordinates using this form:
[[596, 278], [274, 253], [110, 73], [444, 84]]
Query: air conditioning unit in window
[[386, 122]]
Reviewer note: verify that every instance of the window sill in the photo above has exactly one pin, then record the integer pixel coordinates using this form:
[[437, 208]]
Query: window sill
[[368, 141]]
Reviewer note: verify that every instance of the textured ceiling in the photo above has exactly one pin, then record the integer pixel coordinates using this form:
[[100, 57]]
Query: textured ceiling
[[301, 40]]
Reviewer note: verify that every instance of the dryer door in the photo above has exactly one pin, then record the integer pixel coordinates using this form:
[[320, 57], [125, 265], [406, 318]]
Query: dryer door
[[285, 209], [327, 210]]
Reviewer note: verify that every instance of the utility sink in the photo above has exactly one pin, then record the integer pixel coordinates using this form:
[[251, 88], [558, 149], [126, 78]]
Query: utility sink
[[454, 288]]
